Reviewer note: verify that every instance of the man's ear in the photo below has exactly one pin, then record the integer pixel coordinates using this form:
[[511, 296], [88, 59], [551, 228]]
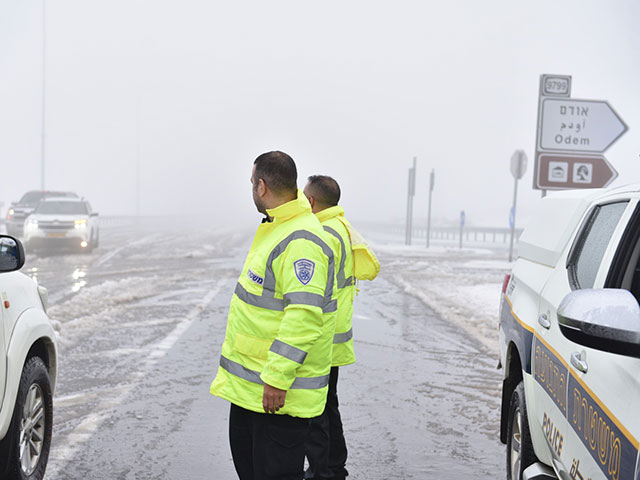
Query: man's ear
[[262, 187], [312, 200]]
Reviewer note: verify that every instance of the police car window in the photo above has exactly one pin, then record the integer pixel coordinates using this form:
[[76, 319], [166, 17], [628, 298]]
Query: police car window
[[593, 243]]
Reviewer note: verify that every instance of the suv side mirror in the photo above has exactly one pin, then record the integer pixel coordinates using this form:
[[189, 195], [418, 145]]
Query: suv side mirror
[[606, 319], [93, 214], [11, 254]]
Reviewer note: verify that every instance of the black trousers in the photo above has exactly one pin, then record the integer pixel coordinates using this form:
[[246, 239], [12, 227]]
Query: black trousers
[[326, 448], [267, 446]]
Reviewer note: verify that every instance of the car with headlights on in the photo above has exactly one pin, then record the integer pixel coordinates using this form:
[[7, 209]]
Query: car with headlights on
[[570, 340], [20, 210], [28, 369], [62, 222]]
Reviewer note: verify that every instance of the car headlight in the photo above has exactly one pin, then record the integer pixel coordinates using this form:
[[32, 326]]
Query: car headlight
[[79, 224], [10, 213]]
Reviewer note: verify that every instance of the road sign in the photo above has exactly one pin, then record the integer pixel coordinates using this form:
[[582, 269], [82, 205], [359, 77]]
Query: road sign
[[570, 137], [518, 164], [555, 85], [575, 125], [558, 171]]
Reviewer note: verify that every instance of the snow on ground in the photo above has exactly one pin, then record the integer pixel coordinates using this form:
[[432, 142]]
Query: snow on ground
[[462, 285]]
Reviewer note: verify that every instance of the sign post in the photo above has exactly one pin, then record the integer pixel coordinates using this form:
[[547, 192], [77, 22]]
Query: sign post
[[411, 193], [431, 183], [572, 134], [462, 220], [518, 167]]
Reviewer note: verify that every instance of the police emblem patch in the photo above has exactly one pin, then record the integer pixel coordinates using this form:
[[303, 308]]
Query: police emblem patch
[[304, 270]]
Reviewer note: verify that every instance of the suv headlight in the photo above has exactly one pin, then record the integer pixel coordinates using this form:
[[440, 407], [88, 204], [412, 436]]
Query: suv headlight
[[80, 224]]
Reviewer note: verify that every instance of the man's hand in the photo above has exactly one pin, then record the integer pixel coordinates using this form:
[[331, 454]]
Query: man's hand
[[272, 399]]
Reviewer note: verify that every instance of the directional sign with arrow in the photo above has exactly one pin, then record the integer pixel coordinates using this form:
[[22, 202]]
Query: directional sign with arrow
[[571, 136], [575, 125], [557, 171]]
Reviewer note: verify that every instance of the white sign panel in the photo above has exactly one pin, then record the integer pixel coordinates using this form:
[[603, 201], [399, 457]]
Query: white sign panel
[[558, 172], [579, 125]]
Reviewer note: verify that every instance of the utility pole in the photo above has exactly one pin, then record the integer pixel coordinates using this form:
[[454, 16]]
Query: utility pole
[[431, 183], [44, 97], [138, 157], [410, 195]]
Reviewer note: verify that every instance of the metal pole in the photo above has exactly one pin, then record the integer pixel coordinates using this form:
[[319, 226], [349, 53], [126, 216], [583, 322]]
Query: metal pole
[[431, 182], [461, 230], [407, 225], [138, 158], [411, 193], [513, 224], [44, 88]]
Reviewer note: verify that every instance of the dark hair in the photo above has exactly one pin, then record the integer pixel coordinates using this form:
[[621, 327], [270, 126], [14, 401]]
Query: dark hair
[[325, 190], [278, 171]]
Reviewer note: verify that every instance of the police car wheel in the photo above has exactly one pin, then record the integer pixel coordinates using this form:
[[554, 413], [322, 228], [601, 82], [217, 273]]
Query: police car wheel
[[520, 452], [31, 426]]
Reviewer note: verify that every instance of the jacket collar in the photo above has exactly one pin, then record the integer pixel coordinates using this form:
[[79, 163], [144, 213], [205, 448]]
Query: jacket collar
[[290, 209], [331, 212]]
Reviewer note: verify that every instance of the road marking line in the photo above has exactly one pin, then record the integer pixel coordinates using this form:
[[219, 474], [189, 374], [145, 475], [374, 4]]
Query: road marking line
[[90, 424], [109, 255], [65, 295]]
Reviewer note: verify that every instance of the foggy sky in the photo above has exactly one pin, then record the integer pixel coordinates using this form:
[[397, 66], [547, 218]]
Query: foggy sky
[[349, 89]]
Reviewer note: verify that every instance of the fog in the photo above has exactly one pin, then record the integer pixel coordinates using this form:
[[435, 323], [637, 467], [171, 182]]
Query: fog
[[197, 89]]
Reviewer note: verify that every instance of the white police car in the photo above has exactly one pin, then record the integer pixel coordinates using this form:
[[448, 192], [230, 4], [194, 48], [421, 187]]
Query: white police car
[[570, 340], [28, 368]]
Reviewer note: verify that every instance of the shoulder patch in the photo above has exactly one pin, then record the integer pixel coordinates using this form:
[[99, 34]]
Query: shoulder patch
[[304, 270], [254, 277]]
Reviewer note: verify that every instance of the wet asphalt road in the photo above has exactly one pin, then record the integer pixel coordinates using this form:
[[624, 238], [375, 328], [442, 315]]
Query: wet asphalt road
[[142, 320]]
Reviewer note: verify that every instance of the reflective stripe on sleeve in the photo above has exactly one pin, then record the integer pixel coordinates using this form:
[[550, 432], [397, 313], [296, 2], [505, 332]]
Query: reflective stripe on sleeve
[[343, 337], [342, 281], [293, 298], [288, 351], [302, 383], [304, 298]]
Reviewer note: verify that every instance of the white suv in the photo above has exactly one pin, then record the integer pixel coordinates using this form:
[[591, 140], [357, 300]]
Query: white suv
[[570, 340], [62, 221], [28, 369]]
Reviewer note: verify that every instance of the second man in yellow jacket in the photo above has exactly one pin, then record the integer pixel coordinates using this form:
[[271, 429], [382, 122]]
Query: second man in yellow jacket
[[326, 448]]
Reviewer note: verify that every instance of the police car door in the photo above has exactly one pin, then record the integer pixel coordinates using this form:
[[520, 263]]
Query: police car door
[[581, 392]]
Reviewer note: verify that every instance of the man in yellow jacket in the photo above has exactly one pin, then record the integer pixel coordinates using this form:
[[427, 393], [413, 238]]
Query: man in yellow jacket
[[326, 446], [276, 356]]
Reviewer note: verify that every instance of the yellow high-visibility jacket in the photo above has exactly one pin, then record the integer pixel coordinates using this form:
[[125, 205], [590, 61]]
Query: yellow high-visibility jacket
[[354, 260], [332, 220], [282, 316]]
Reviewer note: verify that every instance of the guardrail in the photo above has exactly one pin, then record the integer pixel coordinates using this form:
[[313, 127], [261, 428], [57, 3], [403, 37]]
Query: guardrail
[[470, 234]]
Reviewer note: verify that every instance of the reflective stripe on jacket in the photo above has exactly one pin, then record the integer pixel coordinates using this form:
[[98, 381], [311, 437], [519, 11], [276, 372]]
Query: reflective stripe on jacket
[[343, 353], [282, 316]]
